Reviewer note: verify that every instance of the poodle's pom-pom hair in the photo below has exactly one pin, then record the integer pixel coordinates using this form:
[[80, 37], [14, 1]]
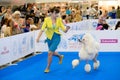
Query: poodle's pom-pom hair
[[96, 64], [87, 68], [75, 62]]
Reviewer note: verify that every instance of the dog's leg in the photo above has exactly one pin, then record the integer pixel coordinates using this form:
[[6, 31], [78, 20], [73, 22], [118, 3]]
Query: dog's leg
[[95, 58], [87, 67], [96, 63]]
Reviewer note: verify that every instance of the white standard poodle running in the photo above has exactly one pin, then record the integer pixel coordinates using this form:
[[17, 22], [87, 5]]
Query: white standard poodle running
[[89, 51]]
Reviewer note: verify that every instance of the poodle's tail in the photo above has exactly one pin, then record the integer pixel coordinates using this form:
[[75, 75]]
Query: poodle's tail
[[75, 63]]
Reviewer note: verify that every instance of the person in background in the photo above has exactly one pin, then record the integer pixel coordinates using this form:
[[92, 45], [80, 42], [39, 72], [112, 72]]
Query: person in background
[[2, 12], [87, 13], [51, 26], [118, 12], [18, 23], [32, 25], [68, 11], [8, 13], [37, 15], [103, 26], [100, 11], [64, 17], [102, 19], [117, 27], [3, 28], [113, 16], [78, 16]]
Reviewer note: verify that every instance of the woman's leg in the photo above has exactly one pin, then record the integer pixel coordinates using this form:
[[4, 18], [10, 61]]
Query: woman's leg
[[59, 56], [50, 54]]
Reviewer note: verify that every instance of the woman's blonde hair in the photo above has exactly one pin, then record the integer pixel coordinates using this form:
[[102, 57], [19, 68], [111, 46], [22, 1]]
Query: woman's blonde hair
[[16, 12]]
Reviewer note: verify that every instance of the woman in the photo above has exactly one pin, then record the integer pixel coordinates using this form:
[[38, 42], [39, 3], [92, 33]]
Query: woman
[[8, 13], [2, 12], [19, 23], [51, 26], [102, 19], [6, 28]]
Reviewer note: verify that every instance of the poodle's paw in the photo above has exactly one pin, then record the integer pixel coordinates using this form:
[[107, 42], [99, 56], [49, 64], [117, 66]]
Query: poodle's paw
[[75, 62], [96, 64], [87, 68]]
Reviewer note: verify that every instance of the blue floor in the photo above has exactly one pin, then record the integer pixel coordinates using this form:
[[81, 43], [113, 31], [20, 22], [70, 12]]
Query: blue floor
[[33, 68]]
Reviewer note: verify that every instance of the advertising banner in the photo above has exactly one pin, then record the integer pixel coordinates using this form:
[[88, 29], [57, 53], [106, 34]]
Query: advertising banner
[[5, 50], [15, 47], [41, 45], [22, 45], [109, 41]]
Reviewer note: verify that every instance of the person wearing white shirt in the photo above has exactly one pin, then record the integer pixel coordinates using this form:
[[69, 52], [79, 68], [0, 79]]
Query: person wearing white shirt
[[32, 25]]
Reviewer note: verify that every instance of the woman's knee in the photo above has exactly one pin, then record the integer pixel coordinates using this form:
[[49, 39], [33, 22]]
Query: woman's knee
[[50, 53]]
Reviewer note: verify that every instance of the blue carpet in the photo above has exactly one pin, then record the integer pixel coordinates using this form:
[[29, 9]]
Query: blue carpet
[[33, 68]]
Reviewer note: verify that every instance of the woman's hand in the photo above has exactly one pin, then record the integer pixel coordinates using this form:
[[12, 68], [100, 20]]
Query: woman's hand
[[67, 28]]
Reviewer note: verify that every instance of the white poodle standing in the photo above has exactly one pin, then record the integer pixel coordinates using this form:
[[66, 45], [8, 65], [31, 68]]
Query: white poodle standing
[[88, 51]]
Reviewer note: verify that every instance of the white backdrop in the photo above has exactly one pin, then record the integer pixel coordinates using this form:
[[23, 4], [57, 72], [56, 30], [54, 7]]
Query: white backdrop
[[109, 41], [15, 47], [5, 50]]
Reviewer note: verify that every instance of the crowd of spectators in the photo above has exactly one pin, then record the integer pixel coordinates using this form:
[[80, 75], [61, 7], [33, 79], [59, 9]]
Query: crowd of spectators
[[29, 17]]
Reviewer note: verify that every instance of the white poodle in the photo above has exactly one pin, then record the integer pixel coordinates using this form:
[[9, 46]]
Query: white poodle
[[88, 51]]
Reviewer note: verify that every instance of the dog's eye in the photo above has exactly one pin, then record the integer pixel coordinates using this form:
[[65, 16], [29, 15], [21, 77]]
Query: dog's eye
[[83, 39]]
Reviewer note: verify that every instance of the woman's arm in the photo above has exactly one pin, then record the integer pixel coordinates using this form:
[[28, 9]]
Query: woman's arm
[[65, 29], [2, 12], [42, 29]]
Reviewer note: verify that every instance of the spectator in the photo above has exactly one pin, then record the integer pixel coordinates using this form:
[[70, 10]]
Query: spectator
[[78, 16], [68, 11], [32, 25], [64, 19], [2, 12], [8, 13], [113, 16], [87, 13], [19, 23], [117, 27], [118, 13]]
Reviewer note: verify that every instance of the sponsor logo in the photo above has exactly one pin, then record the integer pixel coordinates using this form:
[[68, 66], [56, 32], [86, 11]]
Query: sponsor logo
[[75, 37], [112, 23], [5, 51], [109, 40], [32, 42], [94, 24]]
